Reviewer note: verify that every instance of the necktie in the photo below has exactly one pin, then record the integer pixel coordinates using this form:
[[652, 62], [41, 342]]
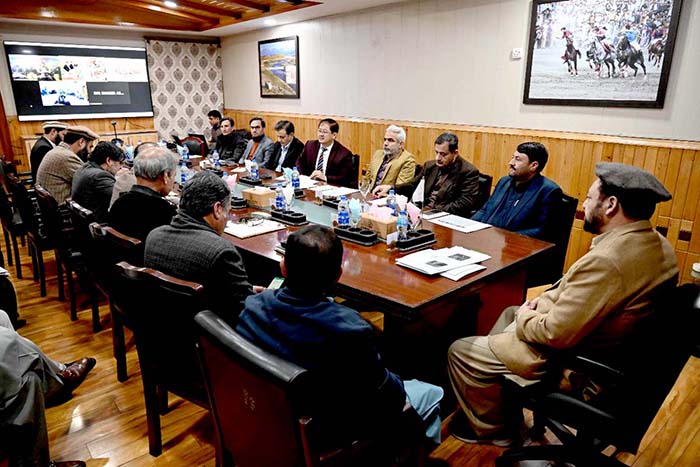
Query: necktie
[[319, 163]]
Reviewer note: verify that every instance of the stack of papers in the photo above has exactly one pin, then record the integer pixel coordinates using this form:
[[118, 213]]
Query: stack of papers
[[461, 224], [249, 230], [452, 263], [330, 190], [305, 182]]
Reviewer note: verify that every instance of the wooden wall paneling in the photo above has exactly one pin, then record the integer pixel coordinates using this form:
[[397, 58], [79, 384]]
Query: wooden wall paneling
[[674, 161], [693, 190], [680, 192]]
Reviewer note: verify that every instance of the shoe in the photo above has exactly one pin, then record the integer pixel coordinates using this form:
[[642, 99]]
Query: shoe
[[19, 323], [75, 373], [459, 428], [67, 464]]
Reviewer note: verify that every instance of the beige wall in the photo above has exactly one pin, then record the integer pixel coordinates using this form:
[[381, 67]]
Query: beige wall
[[447, 61]]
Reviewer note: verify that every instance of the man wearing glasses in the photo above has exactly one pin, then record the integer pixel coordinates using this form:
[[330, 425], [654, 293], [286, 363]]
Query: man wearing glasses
[[326, 159], [259, 147]]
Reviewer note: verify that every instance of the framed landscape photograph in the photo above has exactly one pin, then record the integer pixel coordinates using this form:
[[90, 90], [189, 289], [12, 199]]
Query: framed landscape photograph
[[279, 67], [611, 53]]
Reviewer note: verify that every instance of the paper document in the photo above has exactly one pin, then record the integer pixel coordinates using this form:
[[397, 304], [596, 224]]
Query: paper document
[[458, 273], [305, 182], [433, 214], [438, 261], [330, 190], [418, 192], [461, 224], [249, 230]]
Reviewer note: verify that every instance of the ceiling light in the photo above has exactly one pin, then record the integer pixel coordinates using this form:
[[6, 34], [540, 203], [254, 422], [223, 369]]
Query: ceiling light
[[126, 23], [154, 7], [26, 51], [170, 4], [47, 13], [269, 22]]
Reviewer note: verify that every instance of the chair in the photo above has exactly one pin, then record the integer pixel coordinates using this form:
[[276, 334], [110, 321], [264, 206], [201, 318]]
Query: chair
[[634, 387], [256, 396], [485, 182], [37, 236], [550, 268], [112, 247], [158, 305], [194, 145], [355, 168], [12, 227]]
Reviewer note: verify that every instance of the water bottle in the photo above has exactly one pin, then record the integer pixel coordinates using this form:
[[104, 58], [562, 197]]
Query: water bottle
[[129, 152], [185, 153], [391, 200], [162, 143], [215, 159], [402, 225], [183, 173], [296, 183], [280, 203], [343, 211], [254, 170]]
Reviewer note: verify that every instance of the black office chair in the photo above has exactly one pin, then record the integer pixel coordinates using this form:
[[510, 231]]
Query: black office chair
[[550, 267], [485, 182], [194, 145], [12, 228], [630, 390], [160, 310], [355, 169], [256, 396]]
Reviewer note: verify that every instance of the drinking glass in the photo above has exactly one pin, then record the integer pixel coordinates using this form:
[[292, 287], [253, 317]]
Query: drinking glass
[[364, 188]]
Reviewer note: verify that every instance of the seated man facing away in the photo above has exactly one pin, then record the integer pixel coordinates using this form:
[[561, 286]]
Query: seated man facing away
[[230, 144], [451, 183], [27, 379], [593, 310], [524, 201], [287, 149], [392, 165], [125, 179], [191, 247], [299, 323], [143, 208], [259, 147], [327, 160], [93, 183]]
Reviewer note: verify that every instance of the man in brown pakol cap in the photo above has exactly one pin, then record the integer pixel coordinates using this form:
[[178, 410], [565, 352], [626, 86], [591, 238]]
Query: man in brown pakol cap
[[593, 310], [56, 171], [53, 135]]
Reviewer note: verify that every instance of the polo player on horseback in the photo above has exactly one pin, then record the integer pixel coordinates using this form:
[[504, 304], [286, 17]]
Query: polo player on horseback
[[569, 37]]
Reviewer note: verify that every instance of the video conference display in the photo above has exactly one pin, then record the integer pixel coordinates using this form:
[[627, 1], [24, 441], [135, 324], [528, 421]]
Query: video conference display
[[75, 81]]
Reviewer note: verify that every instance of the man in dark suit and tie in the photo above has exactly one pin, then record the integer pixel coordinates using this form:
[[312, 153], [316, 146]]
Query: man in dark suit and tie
[[53, 134], [451, 183], [287, 149], [326, 159]]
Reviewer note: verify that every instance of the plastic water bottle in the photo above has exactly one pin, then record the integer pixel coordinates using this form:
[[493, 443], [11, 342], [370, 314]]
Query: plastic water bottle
[[402, 225], [280, 202], [215, 159], [185, 153], [296, 183], [129, 152], [162, 143], [184, 173], [343, 211], [254, 170], [391, 200]]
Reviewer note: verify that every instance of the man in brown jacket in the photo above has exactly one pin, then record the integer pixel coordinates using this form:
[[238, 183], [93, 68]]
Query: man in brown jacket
[[592, 309]]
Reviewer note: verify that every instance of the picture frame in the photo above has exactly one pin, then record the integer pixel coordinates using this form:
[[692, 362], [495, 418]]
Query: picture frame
[[278, 61], [591, 52]]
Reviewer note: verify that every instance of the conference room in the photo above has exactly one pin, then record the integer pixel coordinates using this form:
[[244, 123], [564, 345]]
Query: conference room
[[453, 159]]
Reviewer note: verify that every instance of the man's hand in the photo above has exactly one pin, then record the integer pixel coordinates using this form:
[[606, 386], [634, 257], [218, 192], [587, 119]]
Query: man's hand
[[381, 190], [318, 175], [528, 305], [258, 288]]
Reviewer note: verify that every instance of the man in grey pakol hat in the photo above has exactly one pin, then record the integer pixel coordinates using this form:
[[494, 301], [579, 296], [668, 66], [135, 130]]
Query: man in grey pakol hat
[[593, 310], [53, 134], [56, 171]]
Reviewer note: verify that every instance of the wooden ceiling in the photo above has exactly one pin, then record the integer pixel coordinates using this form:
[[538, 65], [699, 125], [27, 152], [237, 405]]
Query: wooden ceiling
[[184, 15]]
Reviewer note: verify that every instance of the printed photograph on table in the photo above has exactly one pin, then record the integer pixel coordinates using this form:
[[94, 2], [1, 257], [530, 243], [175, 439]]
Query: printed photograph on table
[[615, 53], [279, 67]]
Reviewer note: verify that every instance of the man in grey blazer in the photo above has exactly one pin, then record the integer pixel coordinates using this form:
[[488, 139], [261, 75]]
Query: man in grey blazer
[[260, 146], [191, 246]]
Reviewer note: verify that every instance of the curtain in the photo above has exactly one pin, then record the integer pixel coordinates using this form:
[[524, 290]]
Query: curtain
[[186, 83]]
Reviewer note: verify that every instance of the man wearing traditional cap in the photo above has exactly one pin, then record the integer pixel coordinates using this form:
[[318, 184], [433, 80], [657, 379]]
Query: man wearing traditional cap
[[53, 135], [598, 303], [56, 171]]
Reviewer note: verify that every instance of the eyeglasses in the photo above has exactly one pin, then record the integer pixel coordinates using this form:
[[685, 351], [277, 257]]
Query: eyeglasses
[[324, 132], [249, 221]]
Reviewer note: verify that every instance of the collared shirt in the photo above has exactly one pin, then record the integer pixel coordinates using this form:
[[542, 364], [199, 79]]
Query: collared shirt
[[383, 167], [325, 157], [283, 156]]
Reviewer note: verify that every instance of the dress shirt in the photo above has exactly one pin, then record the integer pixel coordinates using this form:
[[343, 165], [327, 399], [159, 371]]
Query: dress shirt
[[325, 157], [283, 156]]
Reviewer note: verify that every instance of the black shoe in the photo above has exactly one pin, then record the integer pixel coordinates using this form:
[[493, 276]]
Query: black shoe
[[19, 323]]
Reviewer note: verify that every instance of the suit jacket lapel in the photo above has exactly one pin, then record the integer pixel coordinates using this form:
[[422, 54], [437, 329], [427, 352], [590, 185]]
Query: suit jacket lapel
[[525, 200]]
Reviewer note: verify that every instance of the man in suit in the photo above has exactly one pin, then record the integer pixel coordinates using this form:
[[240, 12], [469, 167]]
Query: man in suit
[[144, 207], [214, 117], [94, 181], [593, 310], [524, 201], [56, 171], [28, 378], [299, 323], [53, 134], [287, 149], [259, 147], [392, 165], [191, 246], [451, 183], [327, 160], [230, 144]]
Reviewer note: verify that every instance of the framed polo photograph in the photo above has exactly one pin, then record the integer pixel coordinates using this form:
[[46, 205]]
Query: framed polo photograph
[[609, 53], [279, 67]]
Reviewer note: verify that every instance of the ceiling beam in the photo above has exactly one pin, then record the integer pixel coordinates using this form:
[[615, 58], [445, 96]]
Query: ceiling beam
[[145, 5], [251, 5], [210, 8]]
